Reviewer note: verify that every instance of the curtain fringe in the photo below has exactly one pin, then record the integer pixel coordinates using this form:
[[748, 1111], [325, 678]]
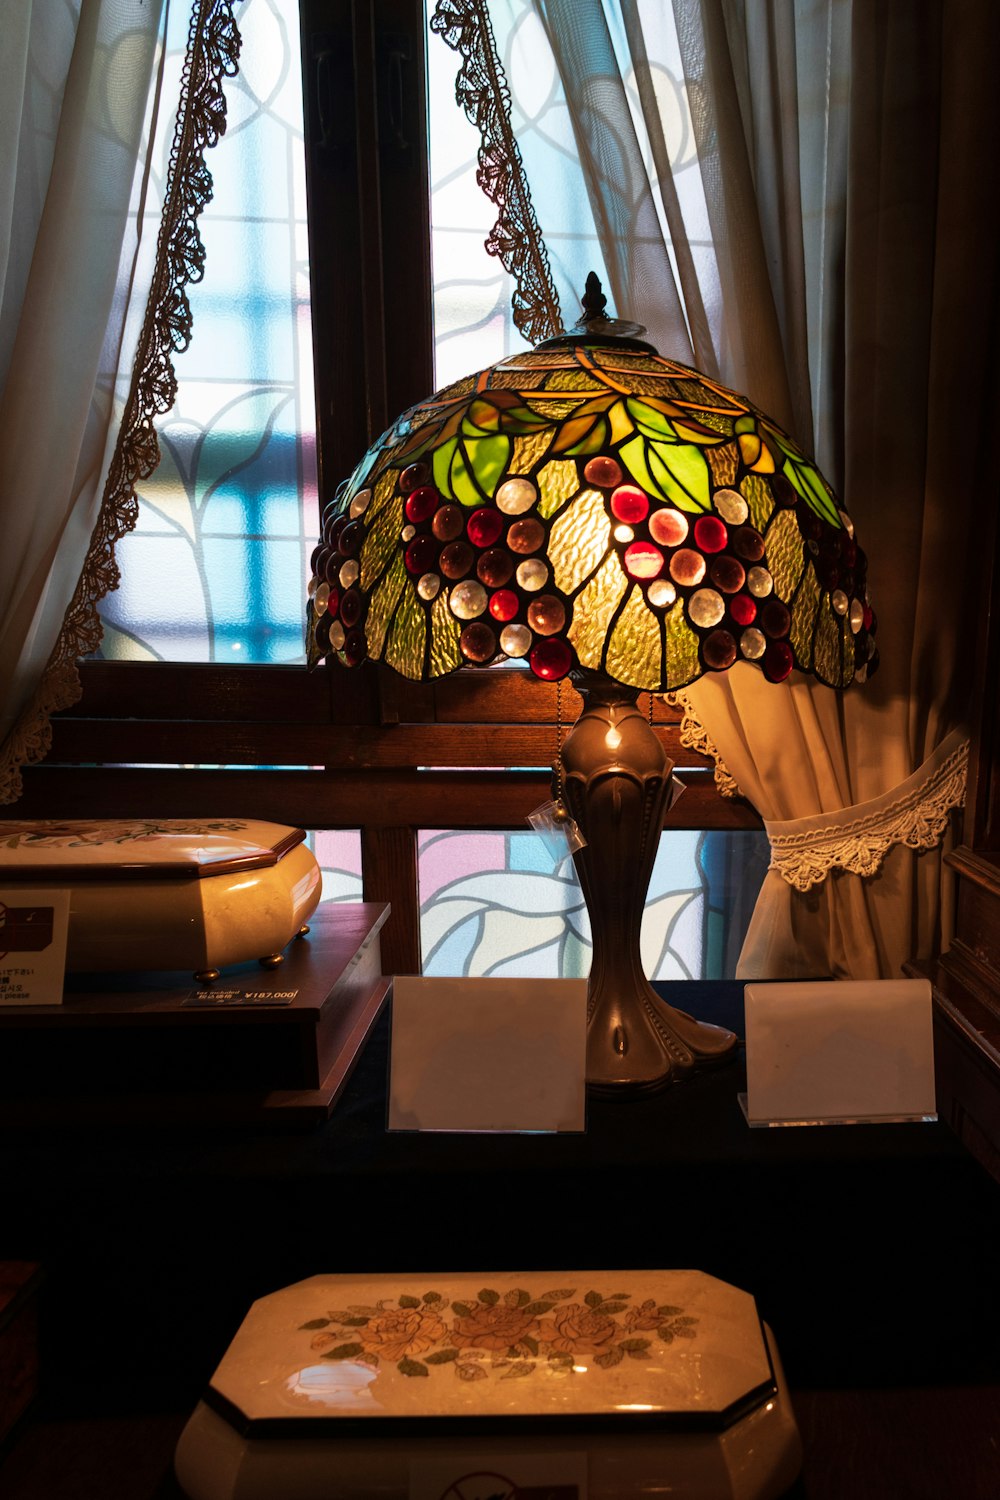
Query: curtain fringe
[[694, 736], [915, 813], [515, 239], [212, 53]]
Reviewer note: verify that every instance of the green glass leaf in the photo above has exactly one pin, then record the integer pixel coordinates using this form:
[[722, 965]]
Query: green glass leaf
[[633, 456], [682, 475], [521, 420], [806, 480], [488, 458], [812, 489], [441, 466], [463, 485], [650, 422]]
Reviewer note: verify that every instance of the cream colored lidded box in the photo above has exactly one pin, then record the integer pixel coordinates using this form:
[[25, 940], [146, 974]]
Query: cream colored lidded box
[[611, 1383], [168, 893]]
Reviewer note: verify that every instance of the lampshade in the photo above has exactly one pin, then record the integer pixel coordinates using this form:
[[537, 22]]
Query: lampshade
[[595, 509], [591, 504]]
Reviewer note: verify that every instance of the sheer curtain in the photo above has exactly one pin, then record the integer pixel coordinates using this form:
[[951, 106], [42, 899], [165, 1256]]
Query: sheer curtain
[[92, 306], [790, 194]]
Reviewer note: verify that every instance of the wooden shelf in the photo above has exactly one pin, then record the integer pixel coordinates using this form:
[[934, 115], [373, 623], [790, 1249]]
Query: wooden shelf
[[276, 1045]]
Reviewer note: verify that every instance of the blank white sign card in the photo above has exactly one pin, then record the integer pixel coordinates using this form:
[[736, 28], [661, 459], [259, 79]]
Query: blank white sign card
[[488, 1054], [839, 1052]]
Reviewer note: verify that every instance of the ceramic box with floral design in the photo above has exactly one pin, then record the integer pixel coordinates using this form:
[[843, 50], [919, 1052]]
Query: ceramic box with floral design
[[168, 893], [672, 1371]]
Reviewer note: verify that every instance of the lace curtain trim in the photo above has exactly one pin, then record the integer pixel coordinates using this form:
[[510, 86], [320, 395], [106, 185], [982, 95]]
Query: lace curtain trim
[[694, 736], [857, 839], [212, 54], [516, 239]]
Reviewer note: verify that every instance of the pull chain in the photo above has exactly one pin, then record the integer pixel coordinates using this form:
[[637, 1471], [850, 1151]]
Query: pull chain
[[559, 810], [650, 708]]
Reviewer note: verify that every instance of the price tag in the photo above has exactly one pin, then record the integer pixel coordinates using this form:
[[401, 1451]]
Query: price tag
[[33, 929]]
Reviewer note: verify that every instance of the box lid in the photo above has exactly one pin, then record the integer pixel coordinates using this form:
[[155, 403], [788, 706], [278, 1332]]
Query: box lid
[[667, 1348], [140, 848]]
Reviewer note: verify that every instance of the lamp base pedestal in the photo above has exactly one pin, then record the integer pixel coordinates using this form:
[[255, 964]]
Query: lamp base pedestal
[[616, 785]]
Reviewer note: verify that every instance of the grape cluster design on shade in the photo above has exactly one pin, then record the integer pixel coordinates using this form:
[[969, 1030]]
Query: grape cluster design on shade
[[672, 507]]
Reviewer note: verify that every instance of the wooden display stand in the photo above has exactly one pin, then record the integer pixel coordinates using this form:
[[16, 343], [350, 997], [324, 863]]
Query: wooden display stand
[[274, 1046]]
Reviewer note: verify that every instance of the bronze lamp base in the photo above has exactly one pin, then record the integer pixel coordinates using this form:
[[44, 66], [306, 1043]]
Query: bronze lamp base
[[616, 785]]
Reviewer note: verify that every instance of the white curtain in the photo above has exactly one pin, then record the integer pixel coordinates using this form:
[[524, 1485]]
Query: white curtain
[[792, 195], [75, 80]]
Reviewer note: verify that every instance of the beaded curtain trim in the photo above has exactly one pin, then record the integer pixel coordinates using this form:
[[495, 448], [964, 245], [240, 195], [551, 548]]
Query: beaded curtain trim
[[516, 239], [212, 54]]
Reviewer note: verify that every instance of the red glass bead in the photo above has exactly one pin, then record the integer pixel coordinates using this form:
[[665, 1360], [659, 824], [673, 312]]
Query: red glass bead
[[317, 560], [478, 642], [351, 538], [550, 659], [546, 614], [630, 505], [828, 574], [727, 573], [643, 560], [504, 604], [748, 543], [456, 560], [710, 533], [412, 477], [422, 503], [850, 551], [777, 661], [331, 573], [448, 523], [687, 567], [775, 618], [495, 567], [484, 526], [667, 526], [743, 610], [333, 602], [322, 634], [332, 532], [350, 608], [525, 536], [421, 555], [604, 472], [718, 650], [354, 649]]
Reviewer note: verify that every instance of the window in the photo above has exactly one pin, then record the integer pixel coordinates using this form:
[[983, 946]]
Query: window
[[199, 703]]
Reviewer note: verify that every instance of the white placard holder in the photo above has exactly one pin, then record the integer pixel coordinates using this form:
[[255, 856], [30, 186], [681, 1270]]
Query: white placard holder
[[839, 1052], [33, 928], [488, 1054]]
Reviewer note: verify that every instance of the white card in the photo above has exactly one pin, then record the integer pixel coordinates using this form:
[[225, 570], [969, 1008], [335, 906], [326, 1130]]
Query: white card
[[839, 1051], [33, 928], [488, 1054]]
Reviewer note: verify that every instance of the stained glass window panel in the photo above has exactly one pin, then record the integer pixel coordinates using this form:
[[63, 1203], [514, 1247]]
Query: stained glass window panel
[[215, 567], [338, 854], [491, 905]]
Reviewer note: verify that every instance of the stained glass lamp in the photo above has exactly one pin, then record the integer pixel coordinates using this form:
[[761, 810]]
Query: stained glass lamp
[[603, 513]]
